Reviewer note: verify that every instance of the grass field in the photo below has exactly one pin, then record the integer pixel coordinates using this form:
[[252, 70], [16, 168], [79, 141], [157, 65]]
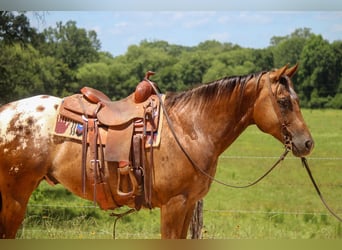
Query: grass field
[[282, 206]]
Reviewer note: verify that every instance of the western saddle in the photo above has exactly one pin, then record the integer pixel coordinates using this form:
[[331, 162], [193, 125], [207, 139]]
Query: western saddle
[[127, 123]]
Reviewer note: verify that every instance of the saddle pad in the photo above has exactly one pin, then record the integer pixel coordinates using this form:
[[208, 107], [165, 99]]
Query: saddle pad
[[156, 134], [65, 127], [68, 128]]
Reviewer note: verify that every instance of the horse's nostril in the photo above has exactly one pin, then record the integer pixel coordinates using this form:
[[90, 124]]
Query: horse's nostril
[[309, 144]]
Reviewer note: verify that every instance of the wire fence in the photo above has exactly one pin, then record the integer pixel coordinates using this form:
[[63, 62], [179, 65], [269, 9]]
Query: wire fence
[[228, 211], [275, 157], [26, 231], [106, 231]]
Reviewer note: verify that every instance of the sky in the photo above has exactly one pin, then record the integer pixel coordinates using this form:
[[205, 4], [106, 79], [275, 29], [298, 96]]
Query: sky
[[117, 30]]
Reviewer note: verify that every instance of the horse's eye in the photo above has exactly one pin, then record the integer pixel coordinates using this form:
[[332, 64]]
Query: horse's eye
[[284, 103]]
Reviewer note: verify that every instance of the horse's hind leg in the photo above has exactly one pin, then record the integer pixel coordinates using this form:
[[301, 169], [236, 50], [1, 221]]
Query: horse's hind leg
[[11, 215], [175, 218], [14, 198]]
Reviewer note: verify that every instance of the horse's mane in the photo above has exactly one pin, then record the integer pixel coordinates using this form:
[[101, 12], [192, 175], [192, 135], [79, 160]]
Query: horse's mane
[[205, 93]]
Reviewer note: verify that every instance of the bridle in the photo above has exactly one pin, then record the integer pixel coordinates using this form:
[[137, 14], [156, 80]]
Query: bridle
[[286, 134], [287, 141]]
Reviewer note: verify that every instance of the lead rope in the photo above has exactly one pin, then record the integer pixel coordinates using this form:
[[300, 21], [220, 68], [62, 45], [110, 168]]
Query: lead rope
[[119, 216], [306, 165]]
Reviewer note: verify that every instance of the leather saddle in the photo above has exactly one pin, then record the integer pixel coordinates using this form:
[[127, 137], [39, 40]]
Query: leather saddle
[[125, 121], [93, 103]]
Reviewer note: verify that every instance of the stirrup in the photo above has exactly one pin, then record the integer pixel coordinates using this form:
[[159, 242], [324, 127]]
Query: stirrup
[[126, 170]]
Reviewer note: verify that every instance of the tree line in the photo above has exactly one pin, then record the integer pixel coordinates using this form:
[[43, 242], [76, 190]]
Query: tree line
[[61, 60]]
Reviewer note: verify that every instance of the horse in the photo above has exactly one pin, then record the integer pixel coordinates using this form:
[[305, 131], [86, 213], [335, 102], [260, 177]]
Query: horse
[[206, 119]]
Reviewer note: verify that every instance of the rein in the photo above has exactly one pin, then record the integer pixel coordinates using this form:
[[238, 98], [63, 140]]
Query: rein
[[287, 140]]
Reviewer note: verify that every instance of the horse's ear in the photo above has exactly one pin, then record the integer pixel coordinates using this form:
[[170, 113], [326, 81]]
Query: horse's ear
[[291, 71], [275, 75]]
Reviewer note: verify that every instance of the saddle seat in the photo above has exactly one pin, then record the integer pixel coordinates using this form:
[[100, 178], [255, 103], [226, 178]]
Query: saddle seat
[[95, 104], [120, 112], [113, 113]]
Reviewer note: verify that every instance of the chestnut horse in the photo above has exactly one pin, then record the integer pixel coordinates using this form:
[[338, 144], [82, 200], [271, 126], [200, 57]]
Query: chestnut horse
[[206, 120]]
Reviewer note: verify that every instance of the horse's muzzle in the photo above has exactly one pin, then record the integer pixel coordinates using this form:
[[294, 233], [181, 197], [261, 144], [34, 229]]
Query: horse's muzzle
[[302, 146]]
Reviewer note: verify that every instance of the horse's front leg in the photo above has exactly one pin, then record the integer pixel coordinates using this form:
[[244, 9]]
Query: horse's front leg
[[175, 217]]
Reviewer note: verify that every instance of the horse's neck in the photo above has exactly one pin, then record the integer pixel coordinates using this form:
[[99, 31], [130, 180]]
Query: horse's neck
[[220, 121]]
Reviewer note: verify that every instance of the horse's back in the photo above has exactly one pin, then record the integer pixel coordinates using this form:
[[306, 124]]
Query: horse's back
[[27, 113], [35, 104], [26, 124]]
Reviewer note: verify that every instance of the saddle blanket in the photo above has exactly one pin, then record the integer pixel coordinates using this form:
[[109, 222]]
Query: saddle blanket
[[65, 127]]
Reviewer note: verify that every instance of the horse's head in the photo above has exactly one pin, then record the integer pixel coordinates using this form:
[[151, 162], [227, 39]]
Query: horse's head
[[277, 111]]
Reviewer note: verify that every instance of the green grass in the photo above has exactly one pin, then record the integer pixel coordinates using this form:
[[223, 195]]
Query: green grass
[[282, 206]]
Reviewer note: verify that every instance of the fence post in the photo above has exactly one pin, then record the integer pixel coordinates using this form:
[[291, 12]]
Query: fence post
[[197, 221]]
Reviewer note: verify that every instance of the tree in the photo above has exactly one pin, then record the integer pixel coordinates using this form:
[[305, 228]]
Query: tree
[[238, 61], [121, 79], [317, 75], [337, 48], [15, 28], [287, 49], [263, 59], [25, 72], [302, 32], [6, 83], [192, 67], [95, 75], [74, 46], [217, 70], [64, 58]]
